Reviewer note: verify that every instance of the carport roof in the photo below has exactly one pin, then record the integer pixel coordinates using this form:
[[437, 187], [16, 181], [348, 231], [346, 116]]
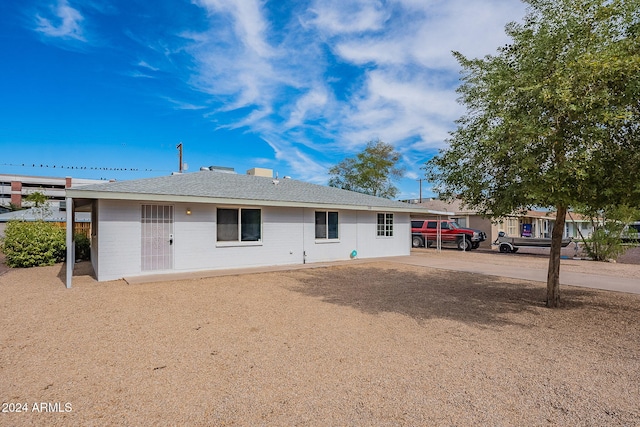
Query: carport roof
[[219, 187]]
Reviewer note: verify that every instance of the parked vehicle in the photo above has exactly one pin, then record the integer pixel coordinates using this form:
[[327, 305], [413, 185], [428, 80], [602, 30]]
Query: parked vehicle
[[425, 233], [512, 244]]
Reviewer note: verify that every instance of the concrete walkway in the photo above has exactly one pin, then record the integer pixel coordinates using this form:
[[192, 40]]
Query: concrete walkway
[[609, 283], [595, 281]]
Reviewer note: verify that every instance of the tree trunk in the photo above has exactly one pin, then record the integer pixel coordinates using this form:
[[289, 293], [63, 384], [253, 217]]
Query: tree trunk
[[553, 276]]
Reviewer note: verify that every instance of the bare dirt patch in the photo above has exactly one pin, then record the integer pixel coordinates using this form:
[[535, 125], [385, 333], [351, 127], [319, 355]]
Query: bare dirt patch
[[368, 344]]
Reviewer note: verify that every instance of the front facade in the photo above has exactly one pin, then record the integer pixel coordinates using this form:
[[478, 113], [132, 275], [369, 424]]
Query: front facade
[[210, 220]]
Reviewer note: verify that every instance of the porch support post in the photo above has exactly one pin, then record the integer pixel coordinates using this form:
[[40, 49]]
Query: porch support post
[[70, 246]]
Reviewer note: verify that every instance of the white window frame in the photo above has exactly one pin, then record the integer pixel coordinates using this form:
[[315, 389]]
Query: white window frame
[[384, 230], [239, 241], [326, 239]]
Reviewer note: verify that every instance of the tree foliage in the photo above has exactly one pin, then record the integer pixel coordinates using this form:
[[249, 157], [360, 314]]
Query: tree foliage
[[371, 172], [38, 198], [41, 208], [33, 244], [610, 232], [553, 119]]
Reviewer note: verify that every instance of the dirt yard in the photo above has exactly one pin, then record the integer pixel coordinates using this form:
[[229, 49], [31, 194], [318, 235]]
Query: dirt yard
[[377, 344]]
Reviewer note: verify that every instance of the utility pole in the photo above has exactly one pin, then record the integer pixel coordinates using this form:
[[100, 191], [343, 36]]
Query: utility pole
[[420, 181], [179, 147]]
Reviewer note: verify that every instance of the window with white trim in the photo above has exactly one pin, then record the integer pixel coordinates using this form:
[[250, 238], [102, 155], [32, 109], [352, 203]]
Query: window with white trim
[[326, 225], [385, 224], [239, 225]]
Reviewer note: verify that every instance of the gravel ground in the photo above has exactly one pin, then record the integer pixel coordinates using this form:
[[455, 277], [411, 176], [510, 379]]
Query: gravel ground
[[370, 344]]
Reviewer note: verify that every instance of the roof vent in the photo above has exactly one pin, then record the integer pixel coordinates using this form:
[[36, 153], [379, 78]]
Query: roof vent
[[268, 173], [223, 169]]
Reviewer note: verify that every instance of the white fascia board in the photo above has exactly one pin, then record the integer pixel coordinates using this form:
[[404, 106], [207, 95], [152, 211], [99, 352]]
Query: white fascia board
[[443, 213], [82, 194]]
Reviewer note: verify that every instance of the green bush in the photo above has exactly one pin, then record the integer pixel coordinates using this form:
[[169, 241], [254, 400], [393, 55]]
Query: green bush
[[606, 242], [33, 244], [83, 247]]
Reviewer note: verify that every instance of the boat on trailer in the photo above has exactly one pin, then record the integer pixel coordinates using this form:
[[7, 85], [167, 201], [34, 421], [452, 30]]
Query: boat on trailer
[[508, 244]]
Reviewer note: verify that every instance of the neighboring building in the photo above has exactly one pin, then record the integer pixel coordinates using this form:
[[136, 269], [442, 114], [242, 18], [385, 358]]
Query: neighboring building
[[540, 224], [211, 220], [13, 188]]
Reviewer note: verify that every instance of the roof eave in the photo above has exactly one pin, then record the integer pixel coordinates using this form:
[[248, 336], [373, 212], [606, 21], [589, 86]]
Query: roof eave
[[110, 195]]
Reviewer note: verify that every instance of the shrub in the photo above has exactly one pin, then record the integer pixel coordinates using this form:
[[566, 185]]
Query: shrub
[[83, 247], [32, 244], [606, 242]]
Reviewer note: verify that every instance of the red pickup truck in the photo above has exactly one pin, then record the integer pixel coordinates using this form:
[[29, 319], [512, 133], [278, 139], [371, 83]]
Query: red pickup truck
[[425, 233]]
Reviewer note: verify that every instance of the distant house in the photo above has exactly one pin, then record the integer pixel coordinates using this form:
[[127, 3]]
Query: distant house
[[531, 223], [540, 224], [213, 220]]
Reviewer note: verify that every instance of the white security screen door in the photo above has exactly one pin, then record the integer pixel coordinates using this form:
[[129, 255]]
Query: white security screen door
[[157, 237]]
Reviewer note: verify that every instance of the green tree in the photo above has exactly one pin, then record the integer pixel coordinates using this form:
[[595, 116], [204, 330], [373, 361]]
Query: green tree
[[41, 207], [371, 172], [37, 198], [552, 119]]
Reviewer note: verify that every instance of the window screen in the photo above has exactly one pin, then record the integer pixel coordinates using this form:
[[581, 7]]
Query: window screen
[[250, 225], [227, 225], [326, 225]]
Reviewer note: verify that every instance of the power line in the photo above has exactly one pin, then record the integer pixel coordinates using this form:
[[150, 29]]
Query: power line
[[76, 167]]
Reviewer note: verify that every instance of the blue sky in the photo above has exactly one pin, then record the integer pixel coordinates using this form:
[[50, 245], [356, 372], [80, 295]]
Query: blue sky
[[296, 86]]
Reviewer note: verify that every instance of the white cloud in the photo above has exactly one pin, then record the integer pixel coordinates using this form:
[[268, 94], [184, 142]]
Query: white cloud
[[138, 74], [347, 16], [249, 24], [66, 24], [144, 64], [304, 167], [411, 175], [313, 101], [181, 105], [279, 82], [473, 28]]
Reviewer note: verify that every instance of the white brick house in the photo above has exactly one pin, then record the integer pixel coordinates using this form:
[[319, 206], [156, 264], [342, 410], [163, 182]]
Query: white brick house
[[212, 220]]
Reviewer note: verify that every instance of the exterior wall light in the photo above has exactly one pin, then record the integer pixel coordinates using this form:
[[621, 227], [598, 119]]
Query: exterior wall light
[[188, 211]]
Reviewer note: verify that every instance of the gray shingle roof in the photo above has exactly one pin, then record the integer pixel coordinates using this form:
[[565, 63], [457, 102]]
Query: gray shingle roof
[[217, 185]]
